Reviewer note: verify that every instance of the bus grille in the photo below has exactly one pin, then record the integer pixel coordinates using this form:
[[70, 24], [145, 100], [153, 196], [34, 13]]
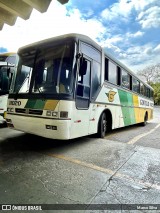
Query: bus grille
[[29, 111], [35, 112], [19, 110]]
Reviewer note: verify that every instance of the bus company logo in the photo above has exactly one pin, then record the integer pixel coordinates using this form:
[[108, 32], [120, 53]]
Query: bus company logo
[[144, 103], [15, 103], [111, 95]]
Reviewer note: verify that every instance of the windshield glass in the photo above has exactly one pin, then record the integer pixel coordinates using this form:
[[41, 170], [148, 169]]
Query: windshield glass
[[47, 70], [3, 58], [4, 79], [24, 71]]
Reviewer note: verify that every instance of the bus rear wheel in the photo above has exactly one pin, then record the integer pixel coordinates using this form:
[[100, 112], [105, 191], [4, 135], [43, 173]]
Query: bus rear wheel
[[145, 120]]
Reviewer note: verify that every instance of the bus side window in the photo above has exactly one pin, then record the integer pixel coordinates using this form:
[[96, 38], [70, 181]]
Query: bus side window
[[142, 89], [148, 92], [119, 76], [125, 79], [135, 85], [112, 74], [151, 94], [106, 69], [84, 79], [96, 78]]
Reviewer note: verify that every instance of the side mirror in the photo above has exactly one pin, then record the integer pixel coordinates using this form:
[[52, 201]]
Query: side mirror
[[83, 66]]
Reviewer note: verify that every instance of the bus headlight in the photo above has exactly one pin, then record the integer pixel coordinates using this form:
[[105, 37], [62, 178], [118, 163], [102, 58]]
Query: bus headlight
[[52, 113]]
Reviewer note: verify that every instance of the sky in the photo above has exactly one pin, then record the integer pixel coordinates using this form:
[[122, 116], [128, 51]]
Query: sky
[[127, 29]]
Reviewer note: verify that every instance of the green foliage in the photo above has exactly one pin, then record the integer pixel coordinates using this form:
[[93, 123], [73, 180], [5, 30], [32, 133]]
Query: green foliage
[[156, 87], [151, 75]]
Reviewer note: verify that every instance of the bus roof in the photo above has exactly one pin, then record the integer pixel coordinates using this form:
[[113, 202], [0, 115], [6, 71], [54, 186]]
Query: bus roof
[[7, 53], [86, 39], [3, 63], [74, 36]]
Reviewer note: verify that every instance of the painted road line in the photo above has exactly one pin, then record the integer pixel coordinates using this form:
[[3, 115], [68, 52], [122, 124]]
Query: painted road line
[[82, 163], [143, 185], [138, 137]]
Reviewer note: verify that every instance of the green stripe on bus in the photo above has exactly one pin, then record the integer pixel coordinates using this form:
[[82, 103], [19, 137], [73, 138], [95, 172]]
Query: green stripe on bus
[[30, 104], [39, 104], [35, 104], [131, 109], [126, 100]]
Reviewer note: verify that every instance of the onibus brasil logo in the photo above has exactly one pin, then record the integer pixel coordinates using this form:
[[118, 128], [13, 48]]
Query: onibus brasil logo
[[111, 95]]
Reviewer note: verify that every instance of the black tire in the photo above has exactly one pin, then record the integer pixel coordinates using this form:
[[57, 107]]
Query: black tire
[[144, 123], [102, 128]]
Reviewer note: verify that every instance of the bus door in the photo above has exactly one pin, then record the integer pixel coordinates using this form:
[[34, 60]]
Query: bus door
[[88, 83], [81, 115]]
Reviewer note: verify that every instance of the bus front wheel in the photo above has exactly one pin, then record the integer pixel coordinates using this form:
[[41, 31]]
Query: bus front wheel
[[102, 128]]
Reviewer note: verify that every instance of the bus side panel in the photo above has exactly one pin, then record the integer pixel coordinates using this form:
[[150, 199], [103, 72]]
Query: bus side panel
[[3, 107], [80, 122], [109, 99], [137, 109], [126, 100], [146, 106], [126, 108], [150, 114]]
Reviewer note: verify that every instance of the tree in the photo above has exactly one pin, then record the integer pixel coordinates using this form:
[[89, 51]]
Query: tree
[[150, 73], [157, 73], [156, 87]]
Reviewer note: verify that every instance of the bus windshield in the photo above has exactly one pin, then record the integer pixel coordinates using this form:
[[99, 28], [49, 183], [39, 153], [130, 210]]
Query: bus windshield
[[45, 70], [4, 81]]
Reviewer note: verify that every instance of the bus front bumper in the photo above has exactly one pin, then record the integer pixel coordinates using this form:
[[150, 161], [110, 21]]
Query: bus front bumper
[[48, 128]]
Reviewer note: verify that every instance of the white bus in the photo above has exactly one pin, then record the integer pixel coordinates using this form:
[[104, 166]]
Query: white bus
[[68, 86], [6, 74], [9, 57]]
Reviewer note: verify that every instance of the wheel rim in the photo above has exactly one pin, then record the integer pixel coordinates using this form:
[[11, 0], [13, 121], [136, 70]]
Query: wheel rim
[[104, 125]]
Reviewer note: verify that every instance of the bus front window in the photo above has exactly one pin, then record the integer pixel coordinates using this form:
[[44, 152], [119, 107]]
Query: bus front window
[[22, 80], [24, 71], [53, 71], [45, 70]]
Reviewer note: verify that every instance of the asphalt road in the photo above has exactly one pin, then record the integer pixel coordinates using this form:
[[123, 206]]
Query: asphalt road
[[121, 169]]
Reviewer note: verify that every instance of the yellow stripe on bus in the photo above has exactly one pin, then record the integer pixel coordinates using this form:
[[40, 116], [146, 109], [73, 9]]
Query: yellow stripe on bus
[[51, 104], [136, 109]]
